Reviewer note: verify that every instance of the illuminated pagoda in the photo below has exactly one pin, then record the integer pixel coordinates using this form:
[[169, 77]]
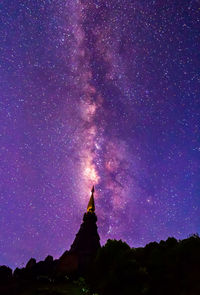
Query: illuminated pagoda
[[86, 243]]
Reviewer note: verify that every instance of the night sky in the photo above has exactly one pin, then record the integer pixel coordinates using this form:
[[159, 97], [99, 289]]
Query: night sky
[[103, 92]]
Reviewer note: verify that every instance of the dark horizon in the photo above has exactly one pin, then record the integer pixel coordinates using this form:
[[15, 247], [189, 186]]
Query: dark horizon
[[24, 264]]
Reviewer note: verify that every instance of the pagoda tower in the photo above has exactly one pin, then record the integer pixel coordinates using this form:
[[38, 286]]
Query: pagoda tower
[[86, 242]]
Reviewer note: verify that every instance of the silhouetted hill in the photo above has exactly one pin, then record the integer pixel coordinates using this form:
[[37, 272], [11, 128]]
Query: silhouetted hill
[[169, 267]]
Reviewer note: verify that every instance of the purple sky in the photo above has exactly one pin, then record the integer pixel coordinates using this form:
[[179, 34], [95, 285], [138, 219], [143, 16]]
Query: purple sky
[[105, 93]]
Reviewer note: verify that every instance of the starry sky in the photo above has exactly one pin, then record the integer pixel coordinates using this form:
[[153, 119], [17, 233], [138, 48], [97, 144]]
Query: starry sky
[[103, 92]]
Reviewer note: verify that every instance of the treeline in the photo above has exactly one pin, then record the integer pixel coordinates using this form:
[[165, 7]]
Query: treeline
[[169, 267]]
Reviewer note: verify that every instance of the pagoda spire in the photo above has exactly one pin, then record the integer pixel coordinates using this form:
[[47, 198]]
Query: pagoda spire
[[91, 206]]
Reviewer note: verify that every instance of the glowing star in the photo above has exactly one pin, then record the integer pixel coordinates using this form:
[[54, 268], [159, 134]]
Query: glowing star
[[97, 146]]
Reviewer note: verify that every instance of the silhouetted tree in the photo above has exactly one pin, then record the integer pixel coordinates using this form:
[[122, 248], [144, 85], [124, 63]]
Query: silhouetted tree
[[116, 271], [5, 274]]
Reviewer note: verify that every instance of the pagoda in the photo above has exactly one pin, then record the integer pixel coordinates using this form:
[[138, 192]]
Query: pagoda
[[86, 243]]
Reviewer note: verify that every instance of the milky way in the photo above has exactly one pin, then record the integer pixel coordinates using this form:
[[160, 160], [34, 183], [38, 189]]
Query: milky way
[[104, 93]]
